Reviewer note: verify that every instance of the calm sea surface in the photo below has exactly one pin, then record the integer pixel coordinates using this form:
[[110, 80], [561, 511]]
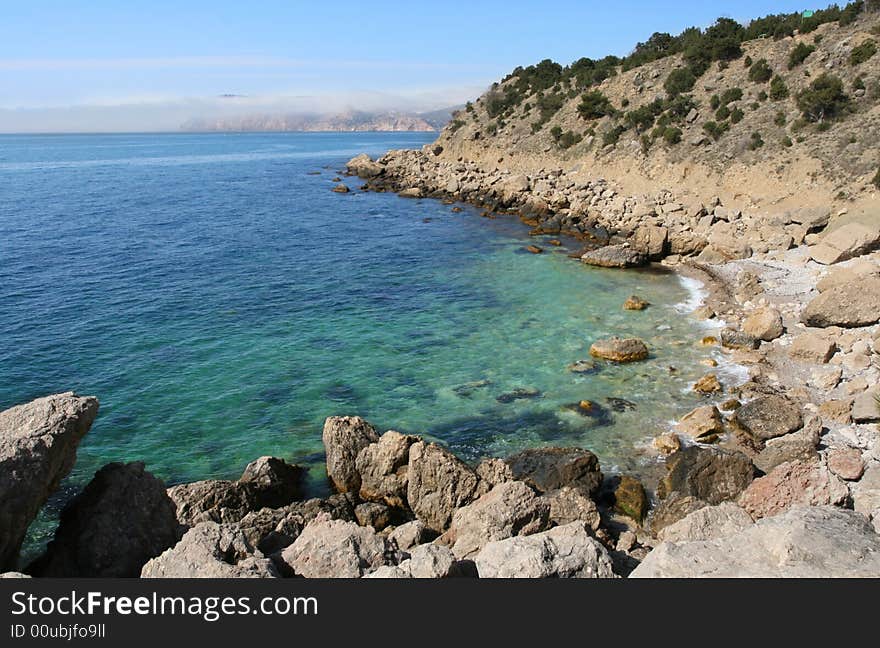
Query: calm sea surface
[[221, 301]]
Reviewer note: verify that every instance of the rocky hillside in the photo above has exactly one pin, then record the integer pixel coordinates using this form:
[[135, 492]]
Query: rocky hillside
[[343, 122], [784, 110]]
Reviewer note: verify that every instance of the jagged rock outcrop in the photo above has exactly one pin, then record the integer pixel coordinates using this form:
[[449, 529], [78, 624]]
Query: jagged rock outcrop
[[438, 484], [266, 482], [210, 550], [383, 467], [330, 548], [509, 509], [344, 437], [803, 542], [38, 442], [563, 552], [708, 474], [122, 519], [791, 483]]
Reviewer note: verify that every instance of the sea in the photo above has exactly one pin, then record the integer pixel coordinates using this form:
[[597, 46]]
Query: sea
[[221, 301]]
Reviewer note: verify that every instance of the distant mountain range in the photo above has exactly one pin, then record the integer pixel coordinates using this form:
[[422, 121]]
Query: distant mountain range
[[348, 121]]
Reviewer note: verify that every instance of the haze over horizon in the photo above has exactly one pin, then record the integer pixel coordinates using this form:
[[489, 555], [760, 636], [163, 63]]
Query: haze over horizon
[[103, 67]]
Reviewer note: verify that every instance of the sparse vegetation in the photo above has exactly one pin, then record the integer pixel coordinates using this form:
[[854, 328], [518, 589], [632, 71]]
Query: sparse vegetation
[[755, 141], [612, 136], [715, 130], [780, 119], [823, 99], [672, 135], [730, 95], [722, 113], [680, 81], [786, 142], [799, 54], [760, 71], [863, 52], [778, 89], [455, 124], [736, 116], [594, 105], [876, 180]]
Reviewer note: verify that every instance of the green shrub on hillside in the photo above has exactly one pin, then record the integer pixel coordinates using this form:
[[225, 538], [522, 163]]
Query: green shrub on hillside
[[850, 13], [747, 62], [594, 105], [861, 53], [679, 81], [780, 119], [732, 94], [799, 54], [736, 116], [722, 113], [823, 99], [716, 130], [455, 124], [760, 72], [672, 135], [643, 117], [786, 142], [762, 96], [858, 83], [613, 136], [778, 89], [756, 141], [715, 101]]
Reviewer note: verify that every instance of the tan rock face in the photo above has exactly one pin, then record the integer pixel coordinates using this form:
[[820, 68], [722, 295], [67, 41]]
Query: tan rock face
[[666, 444], [841, 276], [620, 350], [795, 482], [344, 437]]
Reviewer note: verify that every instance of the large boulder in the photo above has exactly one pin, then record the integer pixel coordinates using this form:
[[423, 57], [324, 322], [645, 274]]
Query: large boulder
[[652, 241], [803, 542], [702, 422], [764, 324], [438, 483], [382, 467], [509, 509], [210, 550], [790, 483], [563, 552], [708, 474], [849, 306], [800, 445], [38, 442], [708, 522], [618, 349], [547, 469], [363, 166], [811, 347], [122, 519], [330, 548], [266, 482], [844, 243], [344, 437], [768, 417], [615, 256]]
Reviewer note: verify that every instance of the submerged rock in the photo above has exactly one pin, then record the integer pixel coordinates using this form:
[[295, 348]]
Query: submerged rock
[[341, 188], [520, 393], [803, 542], [635, 303], [122, 519], [38, 442], [620, 350]]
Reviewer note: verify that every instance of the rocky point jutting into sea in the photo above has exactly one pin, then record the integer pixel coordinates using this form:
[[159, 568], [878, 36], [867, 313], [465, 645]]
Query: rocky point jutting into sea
[[777, 476]]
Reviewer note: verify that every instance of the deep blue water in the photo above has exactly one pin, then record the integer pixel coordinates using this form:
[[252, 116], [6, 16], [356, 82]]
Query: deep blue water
[[221, 301]]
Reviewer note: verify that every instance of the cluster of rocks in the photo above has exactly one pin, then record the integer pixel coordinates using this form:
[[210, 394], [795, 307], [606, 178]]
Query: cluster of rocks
[[622, 231], [405, 507]]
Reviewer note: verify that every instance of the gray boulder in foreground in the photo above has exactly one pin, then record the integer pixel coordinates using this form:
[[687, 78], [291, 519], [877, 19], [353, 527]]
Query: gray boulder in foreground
[[210, 550], [122, 519], [803, 542], [562, 552], [38, 442]]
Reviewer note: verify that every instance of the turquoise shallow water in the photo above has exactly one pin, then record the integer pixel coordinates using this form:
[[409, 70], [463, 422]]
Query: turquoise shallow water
[[221, 302]]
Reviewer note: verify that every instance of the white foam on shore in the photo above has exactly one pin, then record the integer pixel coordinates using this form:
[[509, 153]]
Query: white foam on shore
[[696, 294]]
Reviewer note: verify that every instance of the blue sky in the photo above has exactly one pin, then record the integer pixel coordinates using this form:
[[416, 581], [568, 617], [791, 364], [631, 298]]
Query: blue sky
[[63, 54]]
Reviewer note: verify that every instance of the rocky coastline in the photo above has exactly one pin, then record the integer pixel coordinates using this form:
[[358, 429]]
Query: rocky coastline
[[778, 476]]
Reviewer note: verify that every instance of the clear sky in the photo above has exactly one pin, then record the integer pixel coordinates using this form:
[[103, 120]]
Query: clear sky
[[132, 62]]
